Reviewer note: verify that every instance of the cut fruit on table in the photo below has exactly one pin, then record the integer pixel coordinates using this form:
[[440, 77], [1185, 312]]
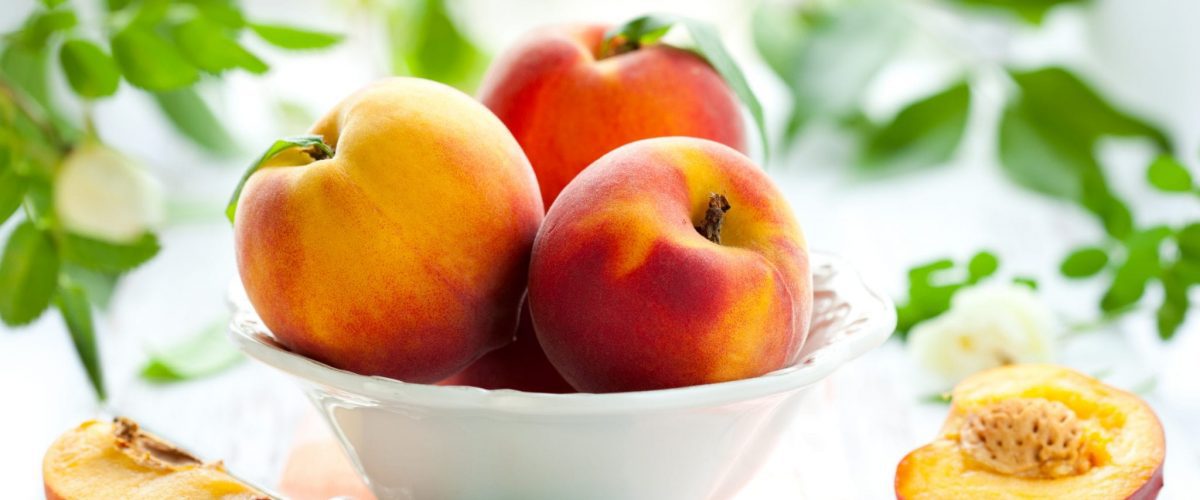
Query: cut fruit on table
[[1038, 431], [120, 460]]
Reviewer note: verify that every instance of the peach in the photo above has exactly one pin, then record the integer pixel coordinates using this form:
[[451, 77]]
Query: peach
[[568, 104], [521, 365], [404, 254], [119, 460], [1038, 431], [669, 262]]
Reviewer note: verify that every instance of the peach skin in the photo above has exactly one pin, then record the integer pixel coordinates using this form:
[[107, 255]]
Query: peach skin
[[404, 253], [520, 366], [568, 105], [669, 262], [1038, 431]]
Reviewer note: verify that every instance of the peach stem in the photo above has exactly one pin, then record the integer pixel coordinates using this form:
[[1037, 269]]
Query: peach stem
[[318, 154], [714, 217]]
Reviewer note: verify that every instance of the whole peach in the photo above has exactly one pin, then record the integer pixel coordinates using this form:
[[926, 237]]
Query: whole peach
[[521, 365], [405, 253], [669, 262], [568, 104]]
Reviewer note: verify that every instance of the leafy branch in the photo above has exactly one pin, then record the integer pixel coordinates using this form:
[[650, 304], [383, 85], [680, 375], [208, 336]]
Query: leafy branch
[[1048, 136], [160, 47], [1167, 255], [932, 285]]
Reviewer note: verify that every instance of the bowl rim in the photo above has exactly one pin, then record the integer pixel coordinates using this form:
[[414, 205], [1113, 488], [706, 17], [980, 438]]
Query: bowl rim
[[253, 338]]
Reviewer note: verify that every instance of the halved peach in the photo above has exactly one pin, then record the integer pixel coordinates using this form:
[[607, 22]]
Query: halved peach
[[119, 460], [1038, 431]]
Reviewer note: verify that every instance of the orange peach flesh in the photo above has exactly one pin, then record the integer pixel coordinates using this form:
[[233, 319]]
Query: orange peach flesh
[[1122, 438], [94, 460], [627, 295]]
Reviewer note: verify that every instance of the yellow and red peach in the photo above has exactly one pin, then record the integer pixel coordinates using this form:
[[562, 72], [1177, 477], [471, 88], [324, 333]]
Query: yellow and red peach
[[669, 262], [1038, 431], [568, 104], [405, 253], [521, 365], [119, 460]]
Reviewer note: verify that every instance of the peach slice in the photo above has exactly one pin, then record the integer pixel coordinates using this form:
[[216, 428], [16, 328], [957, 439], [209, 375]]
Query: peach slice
[[1040, 431], [119, 460]]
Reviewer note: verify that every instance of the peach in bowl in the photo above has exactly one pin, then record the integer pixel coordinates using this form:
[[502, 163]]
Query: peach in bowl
[[411, 440]]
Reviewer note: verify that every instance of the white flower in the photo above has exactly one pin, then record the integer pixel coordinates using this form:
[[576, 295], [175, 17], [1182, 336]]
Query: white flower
[[987, 326], [105, 195]]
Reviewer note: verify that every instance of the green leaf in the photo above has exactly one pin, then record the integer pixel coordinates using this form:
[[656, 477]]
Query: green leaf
[[1084, 262], [1060, 97], [427, 43], [1188, 240], [982, 265], [206, 353], [1031, 11], [192, 117], [116, 5], [73, 303], [151, 13], [108, 257], [206, 45], [98, 286], [288, 37], [824, 54], [27, 69], [708, 45], [12, 191], [28, 275], [1026, 281], [41, 26], [50, 4], [630, 36], [923, 272], [927, 297], [150, 61], [314, 143], [1041, 157], [90, 71], [221, 12], [1049, 133], [1173, 310], [926, 132], [1114, 214], [944, 398], [1142, 263], [1167, 174], [39, 197]]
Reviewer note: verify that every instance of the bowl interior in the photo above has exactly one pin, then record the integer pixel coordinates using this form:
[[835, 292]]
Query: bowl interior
[[849, 318]]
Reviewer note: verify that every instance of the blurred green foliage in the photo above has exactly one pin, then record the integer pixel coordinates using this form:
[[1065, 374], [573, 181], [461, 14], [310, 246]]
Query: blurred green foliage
[[1168, 256], [1047, 139], [827, 53], [932, 285], [204, 354], [426, 41], [1031, 11], [158, 46]]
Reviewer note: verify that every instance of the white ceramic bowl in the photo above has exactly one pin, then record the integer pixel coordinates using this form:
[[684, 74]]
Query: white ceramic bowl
[[425, 441]]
